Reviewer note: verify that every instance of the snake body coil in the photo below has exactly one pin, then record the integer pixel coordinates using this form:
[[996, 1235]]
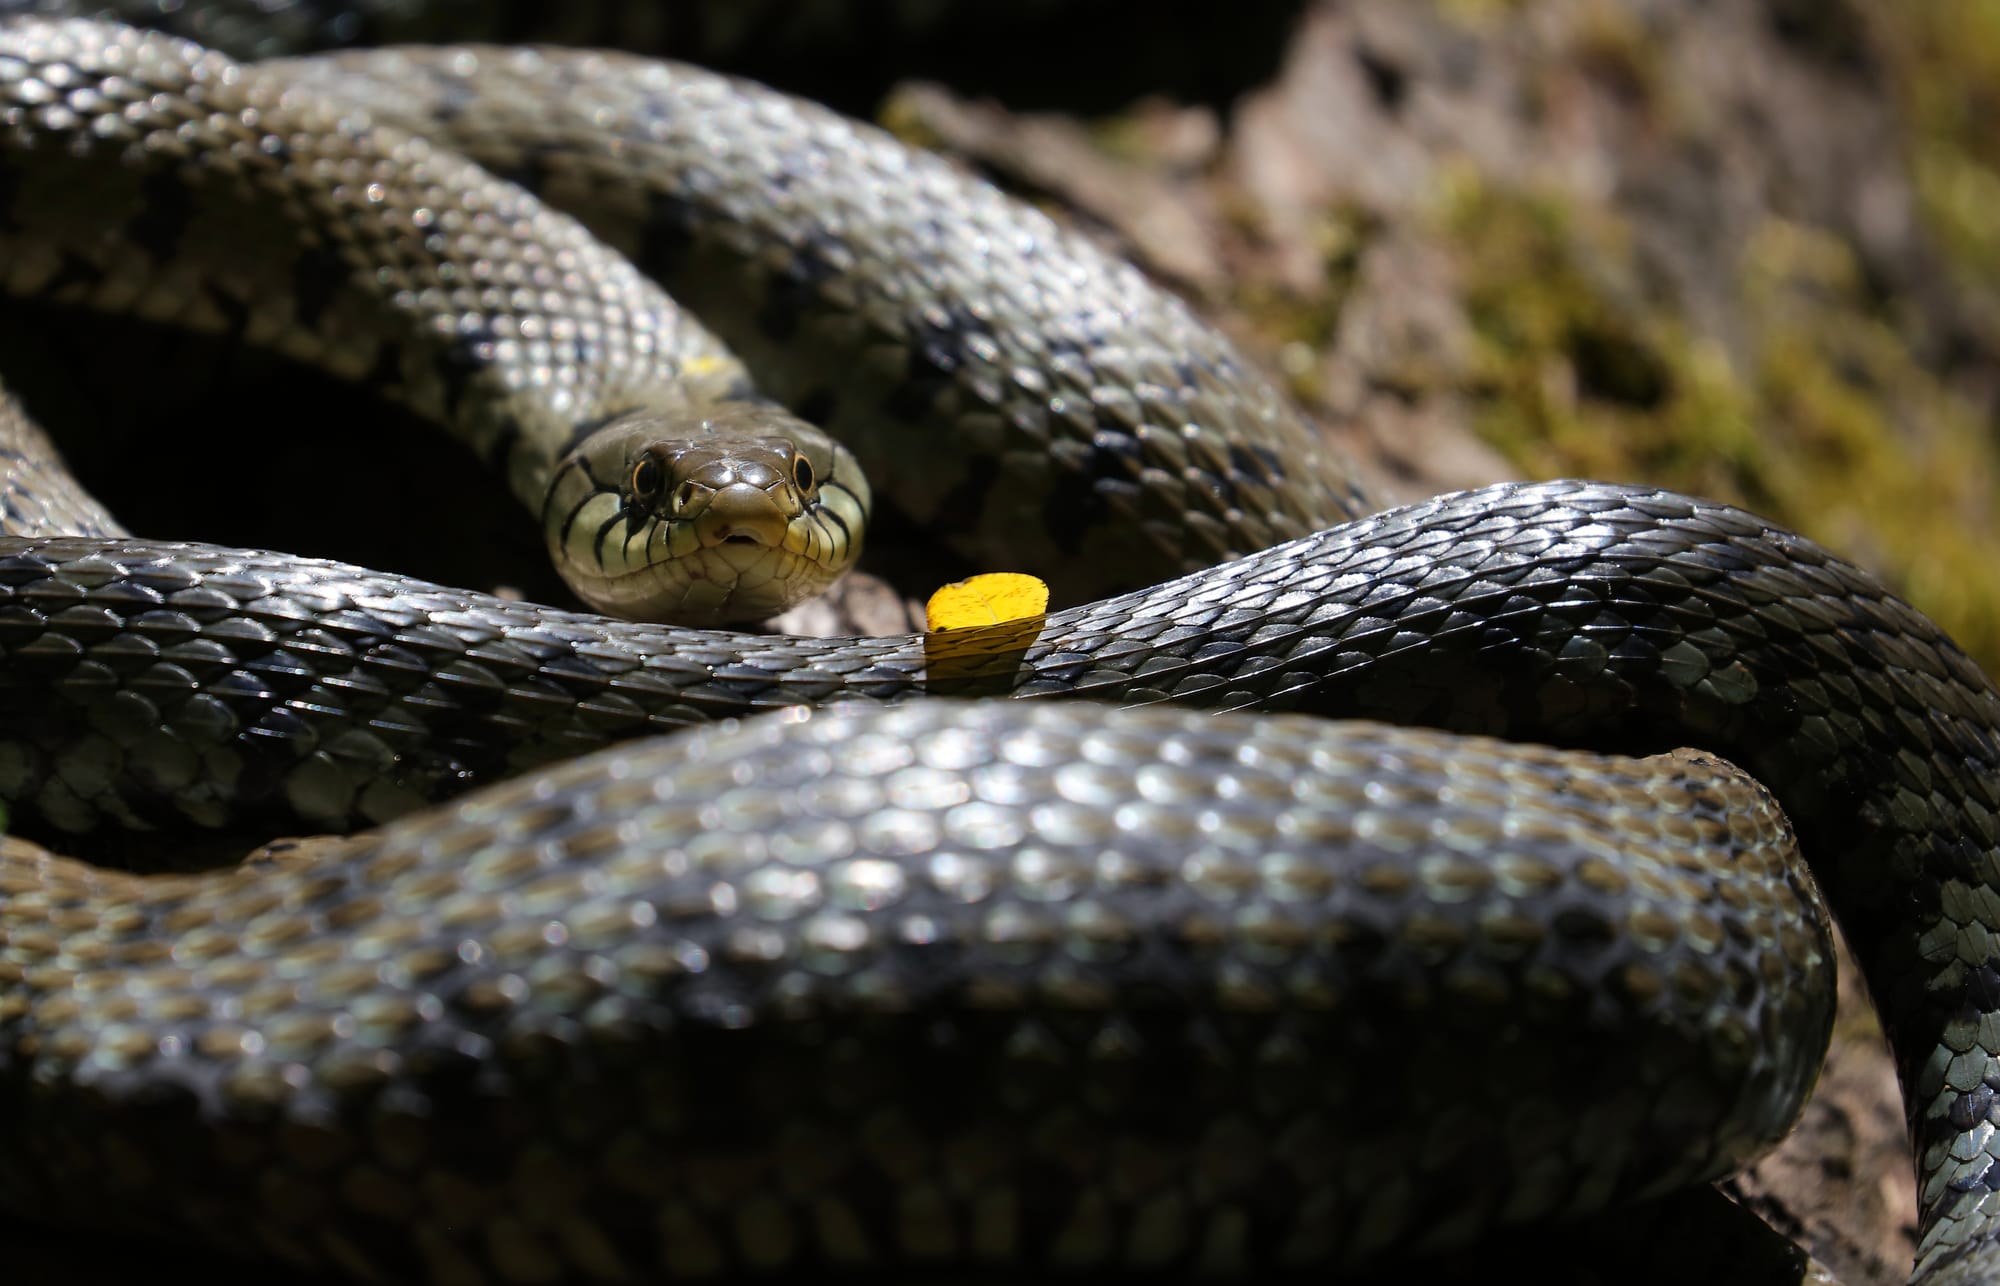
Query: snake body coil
[[1014, 983]]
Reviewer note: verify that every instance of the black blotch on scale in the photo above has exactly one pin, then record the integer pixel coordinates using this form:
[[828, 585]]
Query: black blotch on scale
[[1256, 460], [166, 209], [73, 273], [794, 292], [1074, 507], [937, 341], [666, 237], [317, 276], [531, 171]]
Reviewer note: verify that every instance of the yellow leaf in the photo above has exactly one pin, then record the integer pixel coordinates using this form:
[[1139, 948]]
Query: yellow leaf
[[991, 599]]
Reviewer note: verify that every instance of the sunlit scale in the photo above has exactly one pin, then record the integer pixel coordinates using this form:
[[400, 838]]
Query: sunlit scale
[[509, 939]]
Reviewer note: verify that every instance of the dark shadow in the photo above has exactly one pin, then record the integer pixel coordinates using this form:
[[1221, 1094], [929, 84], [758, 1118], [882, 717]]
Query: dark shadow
[[1697, 1236], [1089, 56]]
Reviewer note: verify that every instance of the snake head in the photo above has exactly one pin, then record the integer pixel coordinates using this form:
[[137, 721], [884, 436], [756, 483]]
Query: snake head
[[726, 491], [730, 514]]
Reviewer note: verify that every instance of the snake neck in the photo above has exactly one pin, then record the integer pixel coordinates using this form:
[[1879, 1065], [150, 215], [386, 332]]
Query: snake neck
[[300, 223]]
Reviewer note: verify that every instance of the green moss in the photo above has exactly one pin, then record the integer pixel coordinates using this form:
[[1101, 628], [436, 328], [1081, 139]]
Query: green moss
[[1610, 43], [1479, 12], [1825, 419], [1299, 326], [1960, 193], [1881, 459], [1945, 56], [1574, 374], [1829, 424]]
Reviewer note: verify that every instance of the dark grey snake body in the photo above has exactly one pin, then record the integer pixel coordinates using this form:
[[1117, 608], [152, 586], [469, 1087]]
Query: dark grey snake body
[[1010, 983]]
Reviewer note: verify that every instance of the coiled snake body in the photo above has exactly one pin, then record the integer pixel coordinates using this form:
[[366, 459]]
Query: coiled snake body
[[1002, 983]]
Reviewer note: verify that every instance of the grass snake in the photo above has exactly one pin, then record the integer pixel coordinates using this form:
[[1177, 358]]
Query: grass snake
[[1004, 982]]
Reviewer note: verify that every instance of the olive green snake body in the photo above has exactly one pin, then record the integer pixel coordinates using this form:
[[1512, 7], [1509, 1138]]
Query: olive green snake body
[[1010, 983]]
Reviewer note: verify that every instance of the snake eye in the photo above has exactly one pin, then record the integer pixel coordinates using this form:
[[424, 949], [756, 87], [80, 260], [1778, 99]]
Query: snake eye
[[802, 473], [646, 480]]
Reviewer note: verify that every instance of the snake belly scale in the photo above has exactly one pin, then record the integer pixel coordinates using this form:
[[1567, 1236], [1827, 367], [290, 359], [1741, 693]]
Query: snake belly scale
[[869, 987]]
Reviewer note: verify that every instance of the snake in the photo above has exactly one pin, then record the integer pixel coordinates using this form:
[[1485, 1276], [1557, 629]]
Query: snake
[[1347, 883]]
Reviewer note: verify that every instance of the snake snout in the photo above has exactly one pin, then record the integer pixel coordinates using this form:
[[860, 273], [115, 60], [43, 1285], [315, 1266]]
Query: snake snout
[[741, 513]]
